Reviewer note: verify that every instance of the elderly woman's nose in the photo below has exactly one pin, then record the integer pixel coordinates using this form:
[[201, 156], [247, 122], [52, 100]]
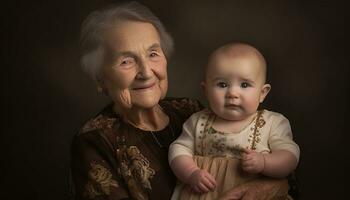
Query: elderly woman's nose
[[144, 70]]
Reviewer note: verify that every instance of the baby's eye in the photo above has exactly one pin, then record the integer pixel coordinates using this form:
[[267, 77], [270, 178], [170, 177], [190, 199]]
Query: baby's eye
[[221, 84], [245, 85]]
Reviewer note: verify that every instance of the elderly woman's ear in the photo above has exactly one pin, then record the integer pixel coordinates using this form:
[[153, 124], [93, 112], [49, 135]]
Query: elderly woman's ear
[[100, 85]]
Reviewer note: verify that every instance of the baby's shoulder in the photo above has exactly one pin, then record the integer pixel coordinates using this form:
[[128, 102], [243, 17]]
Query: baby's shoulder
[[272, 116], [202, 114]]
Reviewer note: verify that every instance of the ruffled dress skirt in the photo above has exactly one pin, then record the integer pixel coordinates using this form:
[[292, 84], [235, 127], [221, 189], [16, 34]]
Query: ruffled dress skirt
[[225, 170]]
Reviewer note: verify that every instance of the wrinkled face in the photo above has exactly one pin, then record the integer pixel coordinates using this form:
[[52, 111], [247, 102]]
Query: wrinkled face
[[234, 86], [134, 71]]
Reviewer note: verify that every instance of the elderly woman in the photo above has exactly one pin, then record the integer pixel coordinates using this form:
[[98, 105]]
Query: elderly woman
[[121, 153]]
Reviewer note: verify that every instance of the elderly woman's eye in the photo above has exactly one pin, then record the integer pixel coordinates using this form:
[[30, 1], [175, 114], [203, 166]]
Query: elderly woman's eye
[[154, 54], [126, 61], [221, 84]]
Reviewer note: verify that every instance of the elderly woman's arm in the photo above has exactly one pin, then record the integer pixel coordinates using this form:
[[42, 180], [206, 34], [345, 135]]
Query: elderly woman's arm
[[259, 189], [94, 169]]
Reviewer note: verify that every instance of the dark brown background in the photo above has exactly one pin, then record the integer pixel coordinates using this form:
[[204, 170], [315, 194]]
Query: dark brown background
[[46, 97]]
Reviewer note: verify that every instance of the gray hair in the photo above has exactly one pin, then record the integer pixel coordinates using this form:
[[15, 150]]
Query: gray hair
[[99, 21]]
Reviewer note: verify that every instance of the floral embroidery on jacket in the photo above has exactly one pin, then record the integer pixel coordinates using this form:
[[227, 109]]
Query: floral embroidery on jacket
[[140, 166], [100, 181], [187, 105], [135, 169], [100, 122]]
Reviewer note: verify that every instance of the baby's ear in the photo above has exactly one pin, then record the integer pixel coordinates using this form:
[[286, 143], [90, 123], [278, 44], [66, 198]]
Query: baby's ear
[[264, 91]]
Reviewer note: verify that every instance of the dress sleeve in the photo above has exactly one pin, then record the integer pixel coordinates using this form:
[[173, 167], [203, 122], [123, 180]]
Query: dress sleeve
[[281, 137], [184, 144], [94, 175]]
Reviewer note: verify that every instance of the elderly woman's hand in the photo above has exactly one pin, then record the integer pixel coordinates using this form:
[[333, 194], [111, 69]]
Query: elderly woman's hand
[[259, 189]]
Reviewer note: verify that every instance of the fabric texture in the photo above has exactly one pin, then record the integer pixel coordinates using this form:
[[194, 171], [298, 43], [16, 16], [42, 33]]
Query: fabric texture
[[111, 159], [220, 153]]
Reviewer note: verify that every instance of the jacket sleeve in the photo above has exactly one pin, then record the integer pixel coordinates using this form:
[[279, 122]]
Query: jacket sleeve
[[94, 170]]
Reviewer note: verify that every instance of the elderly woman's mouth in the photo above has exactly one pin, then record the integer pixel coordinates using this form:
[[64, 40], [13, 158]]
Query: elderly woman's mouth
[[144, 87]]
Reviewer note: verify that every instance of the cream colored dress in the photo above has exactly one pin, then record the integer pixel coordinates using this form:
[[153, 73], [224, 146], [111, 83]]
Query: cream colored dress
[[220, 153]]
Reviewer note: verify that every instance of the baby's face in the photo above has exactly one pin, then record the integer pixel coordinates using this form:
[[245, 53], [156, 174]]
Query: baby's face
[[235, 85]]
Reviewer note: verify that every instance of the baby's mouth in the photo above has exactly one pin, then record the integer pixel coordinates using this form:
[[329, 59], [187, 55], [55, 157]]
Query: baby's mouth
[[232, 106]]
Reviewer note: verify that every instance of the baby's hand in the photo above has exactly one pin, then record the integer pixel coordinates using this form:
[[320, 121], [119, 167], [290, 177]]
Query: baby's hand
[[201, 181], [253, 162]]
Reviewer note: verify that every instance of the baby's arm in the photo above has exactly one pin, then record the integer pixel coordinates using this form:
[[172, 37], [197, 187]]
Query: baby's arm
[[187, 171], [181, 153], [277, 164], [284, 155]]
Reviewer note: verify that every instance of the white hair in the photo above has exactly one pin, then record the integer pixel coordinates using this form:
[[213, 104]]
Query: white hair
[[95, 25]]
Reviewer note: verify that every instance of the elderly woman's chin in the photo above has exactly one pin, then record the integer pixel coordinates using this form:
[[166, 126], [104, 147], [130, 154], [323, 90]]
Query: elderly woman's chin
[[145, 101], [147, 98]]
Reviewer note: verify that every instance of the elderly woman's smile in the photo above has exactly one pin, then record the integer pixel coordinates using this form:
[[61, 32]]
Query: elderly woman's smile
[[144, 87], [134, 68]]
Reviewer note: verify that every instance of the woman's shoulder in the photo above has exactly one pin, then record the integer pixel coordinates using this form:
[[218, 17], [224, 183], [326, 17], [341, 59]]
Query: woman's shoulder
[[182, 106], [98, 130], [104, 120]]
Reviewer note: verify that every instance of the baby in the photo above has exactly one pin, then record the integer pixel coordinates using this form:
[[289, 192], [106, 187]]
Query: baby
[[232, 142]]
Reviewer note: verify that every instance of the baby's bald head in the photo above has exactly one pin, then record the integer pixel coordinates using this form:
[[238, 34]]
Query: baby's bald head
[[241, 51]]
